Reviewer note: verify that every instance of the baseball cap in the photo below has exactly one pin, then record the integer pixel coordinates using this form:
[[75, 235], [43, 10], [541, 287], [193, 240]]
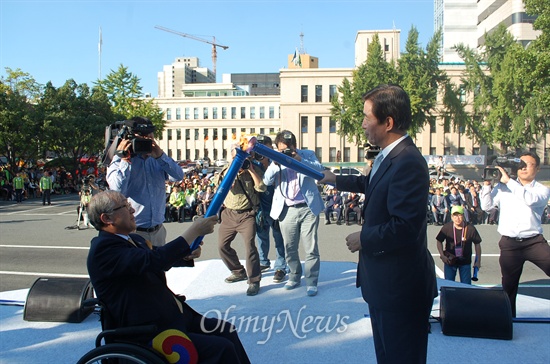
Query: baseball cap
[[457, 210]]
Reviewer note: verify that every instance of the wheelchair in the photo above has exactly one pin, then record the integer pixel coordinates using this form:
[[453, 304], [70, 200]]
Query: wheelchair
[[116, 348]]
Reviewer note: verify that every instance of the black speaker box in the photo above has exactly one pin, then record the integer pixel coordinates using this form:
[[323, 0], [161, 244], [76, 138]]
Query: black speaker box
[[58, 299], [476, 312]]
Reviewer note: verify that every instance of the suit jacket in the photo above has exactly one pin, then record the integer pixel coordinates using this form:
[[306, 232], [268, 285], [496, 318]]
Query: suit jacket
[[442, 202], [395, 270], [131, 282], [331, 201], [467, 200], [352, 201], [276, 175], [454, 200]]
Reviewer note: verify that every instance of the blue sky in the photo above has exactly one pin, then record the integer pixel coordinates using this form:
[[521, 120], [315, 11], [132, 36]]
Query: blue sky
[[58, 40]]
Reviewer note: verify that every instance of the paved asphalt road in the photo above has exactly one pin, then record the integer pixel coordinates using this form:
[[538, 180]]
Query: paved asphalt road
[[35, 241]]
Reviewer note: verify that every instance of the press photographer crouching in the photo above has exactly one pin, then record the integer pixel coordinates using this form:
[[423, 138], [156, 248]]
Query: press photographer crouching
[[127, 274], [521, 202]]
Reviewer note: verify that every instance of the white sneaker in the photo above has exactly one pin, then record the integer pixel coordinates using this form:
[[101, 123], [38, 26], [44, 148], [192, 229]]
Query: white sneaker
[[311, 291], [291, 285]]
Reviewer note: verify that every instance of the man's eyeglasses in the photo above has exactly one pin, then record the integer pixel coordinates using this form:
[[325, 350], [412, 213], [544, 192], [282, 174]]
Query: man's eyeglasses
[[127, 205]]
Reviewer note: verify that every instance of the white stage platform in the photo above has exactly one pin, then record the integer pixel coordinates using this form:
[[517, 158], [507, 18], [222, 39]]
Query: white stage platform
[[279, 326]]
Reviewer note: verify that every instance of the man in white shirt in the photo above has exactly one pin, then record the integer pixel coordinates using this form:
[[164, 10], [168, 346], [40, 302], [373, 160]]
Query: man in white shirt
[[521, 203]]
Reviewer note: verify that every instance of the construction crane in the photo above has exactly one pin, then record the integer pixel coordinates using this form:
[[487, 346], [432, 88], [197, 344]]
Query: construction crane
[[213, 42]]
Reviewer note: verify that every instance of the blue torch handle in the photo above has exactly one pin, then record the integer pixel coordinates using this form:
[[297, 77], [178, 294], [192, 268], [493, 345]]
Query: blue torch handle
[[285, 160], [223, 190]]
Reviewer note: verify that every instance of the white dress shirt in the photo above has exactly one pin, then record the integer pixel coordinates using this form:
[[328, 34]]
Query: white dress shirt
[[520, 207]]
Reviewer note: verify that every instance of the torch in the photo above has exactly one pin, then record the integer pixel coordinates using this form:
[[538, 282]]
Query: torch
[[223, 189]]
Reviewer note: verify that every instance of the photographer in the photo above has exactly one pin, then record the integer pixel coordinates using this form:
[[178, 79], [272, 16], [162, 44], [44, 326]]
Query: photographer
[[239, 216], [141, 176], [88, 183], [85, 198], [521, 203], [297, 204]]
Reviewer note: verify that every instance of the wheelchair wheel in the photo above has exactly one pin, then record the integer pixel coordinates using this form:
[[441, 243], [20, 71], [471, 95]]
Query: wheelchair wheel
[[121, 353]]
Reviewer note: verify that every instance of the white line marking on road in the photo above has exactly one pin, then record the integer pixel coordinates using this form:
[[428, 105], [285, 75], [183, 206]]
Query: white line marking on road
[[45, 274], [44, 247]]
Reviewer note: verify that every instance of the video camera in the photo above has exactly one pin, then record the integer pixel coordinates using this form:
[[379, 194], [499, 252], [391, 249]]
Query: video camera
[[371, 151], [133, 130], [508, 162]]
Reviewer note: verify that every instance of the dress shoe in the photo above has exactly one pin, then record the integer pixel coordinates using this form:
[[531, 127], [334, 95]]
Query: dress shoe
[[253, 289], [291, 285], [279, 275], [327, 222], [311, 291], [236, 277]]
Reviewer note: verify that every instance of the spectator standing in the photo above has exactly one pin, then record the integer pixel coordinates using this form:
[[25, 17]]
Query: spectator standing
[[18, 184], [239, 216], [45, 185], [141, 178], [396, 271], [459, 236], [440, 167], [297, 204], [521, 202]]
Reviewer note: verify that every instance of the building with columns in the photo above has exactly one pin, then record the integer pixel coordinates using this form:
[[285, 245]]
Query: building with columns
[[207, 119]]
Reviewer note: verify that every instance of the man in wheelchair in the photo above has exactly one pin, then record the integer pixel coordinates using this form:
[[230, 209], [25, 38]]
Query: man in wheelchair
[[127, 274]]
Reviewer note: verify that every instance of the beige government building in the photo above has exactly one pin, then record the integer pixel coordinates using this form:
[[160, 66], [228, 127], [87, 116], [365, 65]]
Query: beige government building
[[204, 119]]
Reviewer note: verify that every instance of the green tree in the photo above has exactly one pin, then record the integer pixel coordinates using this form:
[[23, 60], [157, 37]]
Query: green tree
[[539, 54], [348, 108], [125, 95], [74, 120], [420, 76], [501, 78], [19, 128], [417, 72]]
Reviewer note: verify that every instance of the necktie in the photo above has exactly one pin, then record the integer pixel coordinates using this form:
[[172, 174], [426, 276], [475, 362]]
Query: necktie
[[131, 241], [376, 164]]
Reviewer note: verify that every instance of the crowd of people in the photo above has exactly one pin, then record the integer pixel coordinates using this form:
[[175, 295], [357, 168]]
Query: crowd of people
[[391, 204], [26, 183]]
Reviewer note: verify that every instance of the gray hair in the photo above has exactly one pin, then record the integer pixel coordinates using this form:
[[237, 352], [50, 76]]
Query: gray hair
[[103, 203]]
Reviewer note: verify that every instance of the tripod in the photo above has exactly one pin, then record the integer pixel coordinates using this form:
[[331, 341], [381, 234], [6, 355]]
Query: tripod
[[81, 207]]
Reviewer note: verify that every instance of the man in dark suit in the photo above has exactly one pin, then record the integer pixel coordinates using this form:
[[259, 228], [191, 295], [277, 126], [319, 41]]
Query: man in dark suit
[[395, 270], [333, 204], [127, 274]]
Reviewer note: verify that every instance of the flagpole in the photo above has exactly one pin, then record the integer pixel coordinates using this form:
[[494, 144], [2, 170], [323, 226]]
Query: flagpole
[[99, 53]]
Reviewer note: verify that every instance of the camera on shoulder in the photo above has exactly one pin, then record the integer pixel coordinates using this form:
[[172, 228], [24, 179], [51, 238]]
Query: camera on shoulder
[[508, 162], [136, 130]]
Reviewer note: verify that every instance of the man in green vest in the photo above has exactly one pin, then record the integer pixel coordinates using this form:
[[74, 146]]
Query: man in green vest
[[46, 187], [18, 185]]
